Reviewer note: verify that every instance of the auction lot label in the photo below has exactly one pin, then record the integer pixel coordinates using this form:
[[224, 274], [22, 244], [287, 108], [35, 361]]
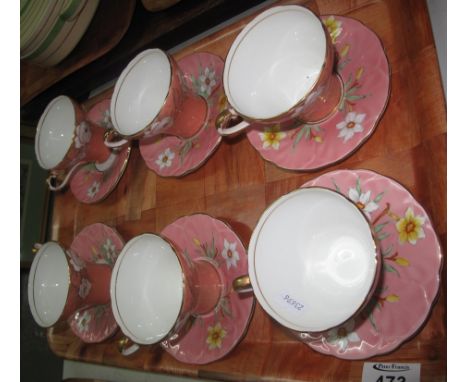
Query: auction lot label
[[391, 372]]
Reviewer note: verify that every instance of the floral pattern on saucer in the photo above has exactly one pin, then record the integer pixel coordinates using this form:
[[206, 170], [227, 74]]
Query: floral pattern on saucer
[[97, 244], [173, 156], [212, 336], [364, 69], [88, 184], [411, 266]]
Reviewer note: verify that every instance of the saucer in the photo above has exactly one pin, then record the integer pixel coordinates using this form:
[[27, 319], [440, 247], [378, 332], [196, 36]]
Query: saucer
[[99, 244], [88, 184], [212, 336], [411, 267], [364, 69], [171, 156]]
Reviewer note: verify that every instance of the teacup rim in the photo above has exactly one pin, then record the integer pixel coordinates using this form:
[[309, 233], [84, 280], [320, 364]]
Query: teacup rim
[[40, 125], [251, 254], [122, 79], [114, 305], [32, 277], [236, 43]]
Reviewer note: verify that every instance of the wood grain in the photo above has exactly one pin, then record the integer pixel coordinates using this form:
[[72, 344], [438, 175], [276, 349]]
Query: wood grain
[[236, 185]]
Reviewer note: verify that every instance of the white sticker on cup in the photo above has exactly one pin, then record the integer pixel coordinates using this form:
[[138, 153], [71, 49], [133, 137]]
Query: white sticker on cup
[[391, 372], [288, 300]]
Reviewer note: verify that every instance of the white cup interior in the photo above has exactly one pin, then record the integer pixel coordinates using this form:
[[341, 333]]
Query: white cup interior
[[140, 92], [55, 132], [147, 289], [48, 284], [312, 259], [274, 61]]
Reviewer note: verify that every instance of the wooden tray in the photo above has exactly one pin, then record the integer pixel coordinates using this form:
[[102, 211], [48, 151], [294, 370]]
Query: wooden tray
[[236, 185]]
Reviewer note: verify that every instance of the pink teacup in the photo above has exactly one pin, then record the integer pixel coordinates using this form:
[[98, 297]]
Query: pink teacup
[[65, 141], [313, 260], [150, 98], [60, 283], [155, 288], [279, 69]]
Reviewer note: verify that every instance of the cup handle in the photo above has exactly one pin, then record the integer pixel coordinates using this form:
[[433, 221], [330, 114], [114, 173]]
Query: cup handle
[[242, 284], [108, 163], [127, 350], [222, 121], [113, 144], [36, 247], [52, 178]]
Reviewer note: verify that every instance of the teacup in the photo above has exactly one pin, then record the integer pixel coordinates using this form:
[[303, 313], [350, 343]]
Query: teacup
[[155, 288], [278, 69], [313, 261], [150, 98], [60, 283], [65, 141]]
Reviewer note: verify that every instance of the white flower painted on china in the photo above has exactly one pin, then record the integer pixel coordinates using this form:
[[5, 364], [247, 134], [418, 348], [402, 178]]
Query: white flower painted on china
[[351, 125], [85, 287], [343, 335], [83, 321], [83, 134], [106, 120], [109, 249], [363, 200], [93, 189], [207, 81], [76, 262], [230, 254], [165, 159]]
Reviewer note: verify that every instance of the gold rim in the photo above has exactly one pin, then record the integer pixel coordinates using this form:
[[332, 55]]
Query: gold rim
[[274, 119], [37, 254], [172, 330], [124, 79], [375, 247], [112, 188]]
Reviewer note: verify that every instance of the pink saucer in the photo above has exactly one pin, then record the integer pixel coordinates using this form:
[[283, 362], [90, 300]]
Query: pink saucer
[[172, 156], [412, 262], [99, 244], [364, 69], [214, 335], [88, 184]]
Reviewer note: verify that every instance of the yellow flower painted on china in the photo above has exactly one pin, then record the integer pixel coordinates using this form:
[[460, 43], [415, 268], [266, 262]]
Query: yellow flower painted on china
[[344, 51], [215, 337], [334, 27], [410, 227], [402, 261], [392, 298], [271, 137], [359, 72]]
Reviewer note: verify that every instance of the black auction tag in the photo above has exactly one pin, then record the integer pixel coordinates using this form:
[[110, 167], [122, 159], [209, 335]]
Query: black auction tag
[[391, 372]]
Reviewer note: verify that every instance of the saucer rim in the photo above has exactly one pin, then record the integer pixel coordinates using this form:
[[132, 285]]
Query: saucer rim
[[437, 277], [253, 301], [125, 151], [114, 326], [371, 131]]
